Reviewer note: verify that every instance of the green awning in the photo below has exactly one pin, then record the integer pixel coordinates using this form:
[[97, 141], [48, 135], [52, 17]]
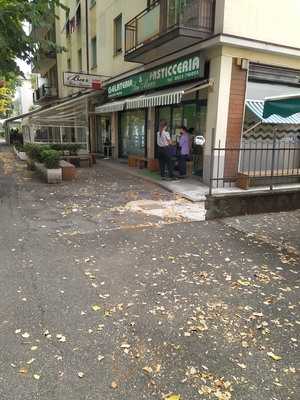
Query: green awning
[[282, 106]]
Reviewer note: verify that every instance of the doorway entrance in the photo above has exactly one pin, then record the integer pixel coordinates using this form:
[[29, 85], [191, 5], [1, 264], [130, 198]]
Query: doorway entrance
[[103, 135], [132, 133]]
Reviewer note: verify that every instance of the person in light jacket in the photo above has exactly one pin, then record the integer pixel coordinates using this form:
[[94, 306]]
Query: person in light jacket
[[163, 143]]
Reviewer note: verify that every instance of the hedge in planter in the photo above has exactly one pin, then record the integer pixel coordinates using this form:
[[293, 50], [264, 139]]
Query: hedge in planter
[[70, 147], [34, 151], [50, 158]]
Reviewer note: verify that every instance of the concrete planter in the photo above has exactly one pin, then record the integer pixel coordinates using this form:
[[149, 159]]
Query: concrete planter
[[51, 175], [20, 154]]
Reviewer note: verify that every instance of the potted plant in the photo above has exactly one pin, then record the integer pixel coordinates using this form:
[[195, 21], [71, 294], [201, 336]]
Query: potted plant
[[50, 160]]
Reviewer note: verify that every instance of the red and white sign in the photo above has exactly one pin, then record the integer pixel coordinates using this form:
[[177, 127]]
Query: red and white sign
[[79, 80]]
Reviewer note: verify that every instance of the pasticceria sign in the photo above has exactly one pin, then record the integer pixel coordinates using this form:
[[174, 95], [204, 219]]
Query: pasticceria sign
[[184, 69]]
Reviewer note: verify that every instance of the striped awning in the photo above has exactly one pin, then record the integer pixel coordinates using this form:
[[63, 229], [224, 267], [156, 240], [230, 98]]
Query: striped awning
[[166, 97], [155, 100], [257, 107], [110, 107]]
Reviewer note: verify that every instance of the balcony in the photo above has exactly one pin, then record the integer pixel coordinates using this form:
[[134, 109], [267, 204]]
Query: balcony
[[43, 61], [167, 26], [44, 93]]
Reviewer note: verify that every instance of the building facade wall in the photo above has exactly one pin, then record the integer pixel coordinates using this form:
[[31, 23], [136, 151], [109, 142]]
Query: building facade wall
[[248, 19], [236, 111], [271, 21], [101, 26]]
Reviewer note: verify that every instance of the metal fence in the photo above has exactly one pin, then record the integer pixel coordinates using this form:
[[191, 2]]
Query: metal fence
[[256, 162]]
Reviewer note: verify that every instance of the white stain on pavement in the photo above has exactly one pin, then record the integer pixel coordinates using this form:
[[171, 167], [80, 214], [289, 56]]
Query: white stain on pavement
[[179, 209]]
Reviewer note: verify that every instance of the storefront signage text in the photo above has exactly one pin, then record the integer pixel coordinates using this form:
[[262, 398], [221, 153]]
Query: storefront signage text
[[181, 70], [79, 80]]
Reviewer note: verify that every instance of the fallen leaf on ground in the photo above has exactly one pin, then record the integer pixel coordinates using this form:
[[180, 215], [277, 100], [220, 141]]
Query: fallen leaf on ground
[[274, 357], [114, 385], [95, 307], [173, 397], [148, 370], [23, 370], [36, 377], [80, 374]]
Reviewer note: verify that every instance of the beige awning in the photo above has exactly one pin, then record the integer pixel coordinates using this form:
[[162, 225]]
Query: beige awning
[[73, 112], [110, 107], [166, 97]]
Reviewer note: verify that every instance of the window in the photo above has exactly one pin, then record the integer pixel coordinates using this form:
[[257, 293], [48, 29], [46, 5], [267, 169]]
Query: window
[[94, 52], [69, 65], [118, 34], [80, 60]]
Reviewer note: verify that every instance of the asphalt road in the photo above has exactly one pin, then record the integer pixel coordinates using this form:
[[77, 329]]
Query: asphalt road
[[100, 302]]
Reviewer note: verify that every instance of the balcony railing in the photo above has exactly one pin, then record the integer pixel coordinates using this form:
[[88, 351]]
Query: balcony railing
[[44, 92], [164, 15]]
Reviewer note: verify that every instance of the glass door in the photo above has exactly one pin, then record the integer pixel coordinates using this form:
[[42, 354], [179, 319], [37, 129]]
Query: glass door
[[132, 133], [103, 135]]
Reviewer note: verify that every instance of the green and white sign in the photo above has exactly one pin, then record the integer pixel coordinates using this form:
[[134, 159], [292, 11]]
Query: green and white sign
[[178, 71]]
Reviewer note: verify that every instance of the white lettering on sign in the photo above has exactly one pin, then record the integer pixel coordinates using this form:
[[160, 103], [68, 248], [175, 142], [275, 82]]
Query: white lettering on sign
[[180, 70], [87, 81], [119, 86]]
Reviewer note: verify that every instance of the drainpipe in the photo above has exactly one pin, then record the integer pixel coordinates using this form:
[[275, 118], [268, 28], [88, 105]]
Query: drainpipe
[[87, 36], [87, 71]]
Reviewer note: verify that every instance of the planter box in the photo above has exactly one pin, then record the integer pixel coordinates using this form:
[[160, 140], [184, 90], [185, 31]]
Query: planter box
[[20, 154], [68, 170], [51, 175], [153, 165]]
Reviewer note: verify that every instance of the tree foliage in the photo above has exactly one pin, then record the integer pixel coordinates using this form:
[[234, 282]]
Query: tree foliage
[[7, 92], [15, 42]]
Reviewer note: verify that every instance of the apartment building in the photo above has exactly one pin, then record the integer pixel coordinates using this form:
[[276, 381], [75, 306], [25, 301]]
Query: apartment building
[[188, 62]]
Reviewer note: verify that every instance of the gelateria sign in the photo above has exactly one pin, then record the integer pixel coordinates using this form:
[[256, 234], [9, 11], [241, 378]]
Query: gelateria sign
[[181, 70]]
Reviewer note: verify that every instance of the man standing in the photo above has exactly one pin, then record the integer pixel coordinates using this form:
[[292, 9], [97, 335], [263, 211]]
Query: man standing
[[164, 157]]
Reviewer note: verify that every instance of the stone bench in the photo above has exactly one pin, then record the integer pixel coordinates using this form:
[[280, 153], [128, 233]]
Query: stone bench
[[137, 161]]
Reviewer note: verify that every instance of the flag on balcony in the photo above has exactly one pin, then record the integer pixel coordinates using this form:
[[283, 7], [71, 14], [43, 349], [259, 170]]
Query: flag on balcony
[[73, 25]]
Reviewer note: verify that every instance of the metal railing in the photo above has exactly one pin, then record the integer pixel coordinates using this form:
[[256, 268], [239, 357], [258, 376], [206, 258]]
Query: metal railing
[[256, 162], [163, 15]]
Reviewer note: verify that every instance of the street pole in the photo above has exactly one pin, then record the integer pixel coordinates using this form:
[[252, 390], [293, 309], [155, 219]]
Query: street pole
[[212, 161], [273, 159]]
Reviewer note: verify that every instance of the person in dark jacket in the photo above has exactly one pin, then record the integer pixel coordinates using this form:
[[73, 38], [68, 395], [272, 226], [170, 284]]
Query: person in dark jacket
[[184, 151]]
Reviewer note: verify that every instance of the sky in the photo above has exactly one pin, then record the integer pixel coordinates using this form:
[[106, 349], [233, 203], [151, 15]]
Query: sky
[[24, 67]]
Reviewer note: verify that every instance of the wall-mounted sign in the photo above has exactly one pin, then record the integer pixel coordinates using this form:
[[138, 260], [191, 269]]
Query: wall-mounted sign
[[79, 80], [183, 69]]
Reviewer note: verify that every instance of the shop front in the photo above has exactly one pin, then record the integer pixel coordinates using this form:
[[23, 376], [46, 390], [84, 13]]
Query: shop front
[[175, 93]]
